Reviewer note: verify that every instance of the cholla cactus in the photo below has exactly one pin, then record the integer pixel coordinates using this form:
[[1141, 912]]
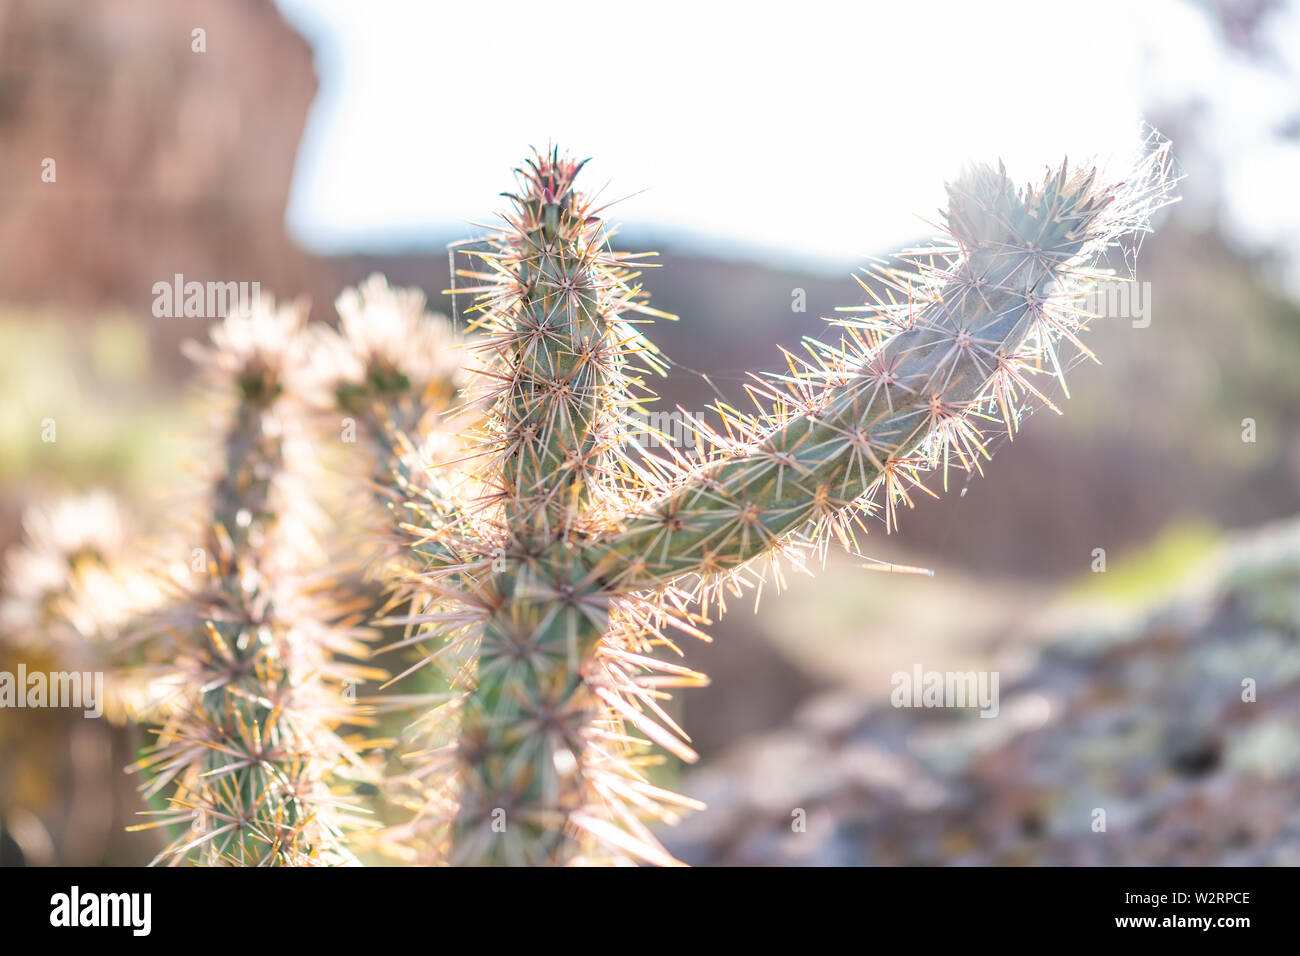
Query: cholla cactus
[[551, 558], [249, 752], [69, 589], [387, 385], [74, 587], [75, 539], [393, 371], [568, 557]]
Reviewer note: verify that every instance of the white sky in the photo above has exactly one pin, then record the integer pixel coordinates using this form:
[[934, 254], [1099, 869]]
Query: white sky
[[814, 131]]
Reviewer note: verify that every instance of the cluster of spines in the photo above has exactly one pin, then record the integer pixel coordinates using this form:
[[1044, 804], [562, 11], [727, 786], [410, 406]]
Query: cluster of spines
[[393, 370]]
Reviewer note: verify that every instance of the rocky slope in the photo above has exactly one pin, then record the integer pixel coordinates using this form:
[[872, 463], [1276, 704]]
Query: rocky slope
[[1147, 723]]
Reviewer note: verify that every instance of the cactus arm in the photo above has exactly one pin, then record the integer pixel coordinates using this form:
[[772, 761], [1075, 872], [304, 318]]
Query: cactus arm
[[913, 390], [393, 372], [559, 349], [527, 706], [248, 752]]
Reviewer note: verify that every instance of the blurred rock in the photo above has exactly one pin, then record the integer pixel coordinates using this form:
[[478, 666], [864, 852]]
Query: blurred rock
[[1150, 728], [166, 160]]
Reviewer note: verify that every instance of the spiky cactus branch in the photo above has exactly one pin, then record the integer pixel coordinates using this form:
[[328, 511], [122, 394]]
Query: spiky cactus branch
[[394, 370], [602, 550], [552, 310], [249, 750], [387, 384], [912, 388]]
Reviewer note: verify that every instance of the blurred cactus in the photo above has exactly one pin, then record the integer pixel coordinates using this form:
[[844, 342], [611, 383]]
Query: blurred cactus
[[392, 373], [75, 590], [386, 386], [66, 547], [249, 753], [70, 589]]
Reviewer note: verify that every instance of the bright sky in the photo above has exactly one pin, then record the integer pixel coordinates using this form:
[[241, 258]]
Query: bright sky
[[816, 132]]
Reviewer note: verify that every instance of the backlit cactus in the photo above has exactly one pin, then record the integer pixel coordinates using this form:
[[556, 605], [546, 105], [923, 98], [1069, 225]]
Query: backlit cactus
[[392, 374], [576, 557]]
